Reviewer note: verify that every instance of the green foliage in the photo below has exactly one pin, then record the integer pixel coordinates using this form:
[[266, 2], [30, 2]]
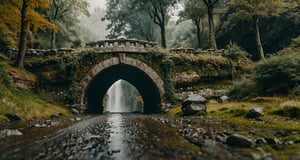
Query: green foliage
[[175, 111], [238, 112], [256, 9], [253, 11], [5, 79], [233, 51], [167, 66], [296, 91], [289, 111], [295, 43], [139, 18], [243, 89], [126, 20], [202, 113], [193, 10], [21, 101], [278, 75]]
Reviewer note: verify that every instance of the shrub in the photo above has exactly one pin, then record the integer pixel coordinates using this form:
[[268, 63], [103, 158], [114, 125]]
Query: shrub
[[233, 51], [238, 112], [291, 112], [5, 79], [295, 42], [278, 75], [243, 89]]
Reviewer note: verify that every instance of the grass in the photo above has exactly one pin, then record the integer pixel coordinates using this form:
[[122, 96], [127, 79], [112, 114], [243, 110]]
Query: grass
[[175, 111], [234, 112], [281, 114], [14, 100]]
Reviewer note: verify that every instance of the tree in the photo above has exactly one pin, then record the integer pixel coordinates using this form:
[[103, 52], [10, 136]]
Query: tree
[[9, 33], [210, 6], [193, 9], [159, 11], [29, 19], [22, 43], [129, 22], [254, 10], [62, 10], [126, 14]]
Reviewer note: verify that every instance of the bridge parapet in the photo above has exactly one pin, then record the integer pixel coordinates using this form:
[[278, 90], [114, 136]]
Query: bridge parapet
[[13, 52], [196, 51], [118, 45]]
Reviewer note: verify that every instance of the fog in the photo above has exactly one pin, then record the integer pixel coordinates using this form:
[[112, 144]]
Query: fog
[[92, 28], [96, 3]]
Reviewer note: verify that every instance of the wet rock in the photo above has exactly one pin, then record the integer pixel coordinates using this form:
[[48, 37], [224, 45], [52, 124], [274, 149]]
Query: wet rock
[[255, 113], [55, 116], [193, 104], [260, 141], [223, 99], [221, 138], [207, 93], [74, 111], [221, 93], [8, 132], [288, 142], [273, 141], [78, 119], [39, 126], [238, 141], [14, 117], [75, 119], [79, 108], [183, 95]]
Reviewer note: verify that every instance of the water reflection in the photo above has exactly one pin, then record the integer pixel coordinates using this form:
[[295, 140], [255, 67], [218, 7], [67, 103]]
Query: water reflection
[[118, 148]]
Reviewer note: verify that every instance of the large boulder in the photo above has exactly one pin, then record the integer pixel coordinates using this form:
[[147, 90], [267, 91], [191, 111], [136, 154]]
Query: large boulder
[[255, 113], [14, 117], [193, 104], [237, 140]]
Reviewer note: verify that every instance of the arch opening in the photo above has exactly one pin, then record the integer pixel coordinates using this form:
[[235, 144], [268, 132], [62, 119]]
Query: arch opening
[[102, 81], [123, 97]]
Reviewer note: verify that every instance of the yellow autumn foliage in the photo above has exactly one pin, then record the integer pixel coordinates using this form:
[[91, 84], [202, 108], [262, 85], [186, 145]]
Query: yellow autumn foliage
[[10, 17]]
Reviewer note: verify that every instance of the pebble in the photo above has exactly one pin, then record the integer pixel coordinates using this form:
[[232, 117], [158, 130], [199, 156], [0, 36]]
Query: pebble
[[8, 132]]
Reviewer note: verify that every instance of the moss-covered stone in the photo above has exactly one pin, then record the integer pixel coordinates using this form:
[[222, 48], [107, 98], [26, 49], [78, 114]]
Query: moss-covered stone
[[73, 67]]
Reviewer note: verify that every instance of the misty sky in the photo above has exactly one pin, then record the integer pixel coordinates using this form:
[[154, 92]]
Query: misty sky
[[96, 3]]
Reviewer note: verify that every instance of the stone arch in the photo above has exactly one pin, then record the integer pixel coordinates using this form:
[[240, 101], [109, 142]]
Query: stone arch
[[98, 80]]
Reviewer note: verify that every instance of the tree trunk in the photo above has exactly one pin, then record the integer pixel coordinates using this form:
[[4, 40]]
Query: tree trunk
[[53, 39], [258, 40], [212, 37], [163, 35], [22, 42], [197, 23]]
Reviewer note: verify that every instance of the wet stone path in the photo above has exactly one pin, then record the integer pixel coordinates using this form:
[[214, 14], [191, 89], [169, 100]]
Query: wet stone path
[[112, 136]]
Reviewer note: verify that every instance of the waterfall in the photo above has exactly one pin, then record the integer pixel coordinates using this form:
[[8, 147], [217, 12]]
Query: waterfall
[[115, 102], [122, 97]]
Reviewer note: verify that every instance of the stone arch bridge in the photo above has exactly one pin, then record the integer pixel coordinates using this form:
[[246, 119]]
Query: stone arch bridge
[[105, 62], [154, 71]]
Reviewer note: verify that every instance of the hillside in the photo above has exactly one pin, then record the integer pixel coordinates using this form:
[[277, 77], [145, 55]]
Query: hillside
[[17, 98]]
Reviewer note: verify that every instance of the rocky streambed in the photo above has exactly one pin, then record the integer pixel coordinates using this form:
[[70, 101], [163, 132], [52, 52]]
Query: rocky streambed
[[134, 136]]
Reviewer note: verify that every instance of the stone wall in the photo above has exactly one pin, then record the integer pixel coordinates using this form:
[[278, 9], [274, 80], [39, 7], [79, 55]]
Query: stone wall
[[12, 52], [175, 67]]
